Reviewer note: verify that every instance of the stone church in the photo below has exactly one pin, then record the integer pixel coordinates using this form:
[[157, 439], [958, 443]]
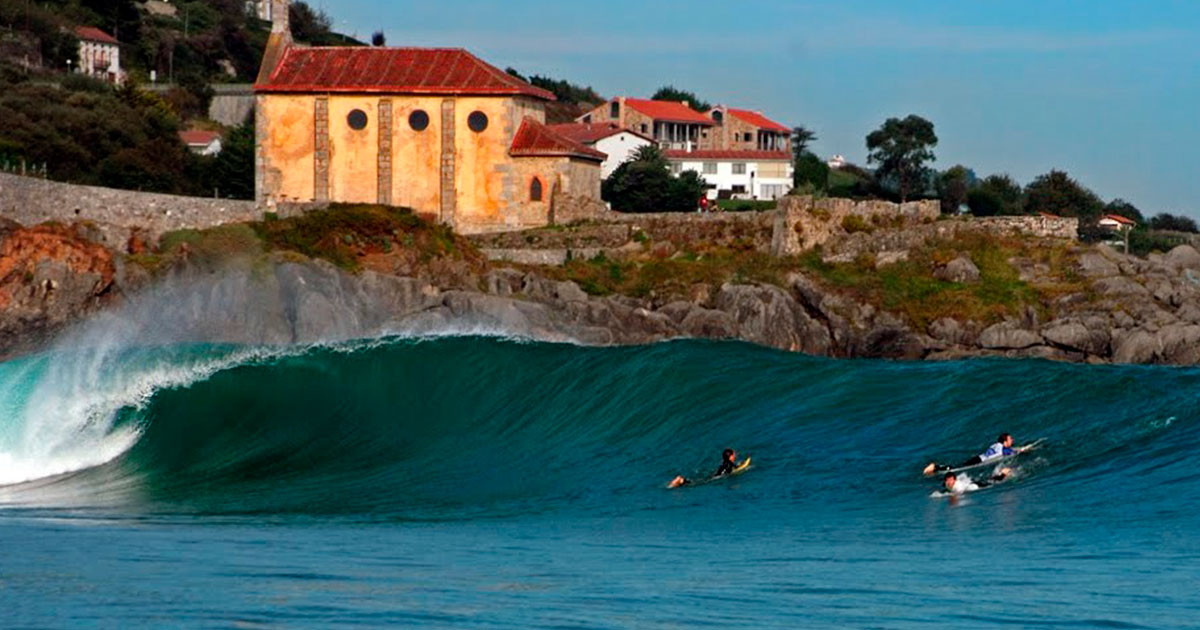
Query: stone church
[[437, 130]]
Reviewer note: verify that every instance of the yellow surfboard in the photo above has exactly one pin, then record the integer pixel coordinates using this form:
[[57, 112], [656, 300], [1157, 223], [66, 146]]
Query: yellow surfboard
[[741, 468]]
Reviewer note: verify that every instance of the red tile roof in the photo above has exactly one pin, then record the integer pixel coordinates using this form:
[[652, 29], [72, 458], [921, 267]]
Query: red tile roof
[[449, 71], [758, 120], [591, 133], [534, 139], [727, 155], [93, 34], [669, 111], [198, 137], [1120, 219]]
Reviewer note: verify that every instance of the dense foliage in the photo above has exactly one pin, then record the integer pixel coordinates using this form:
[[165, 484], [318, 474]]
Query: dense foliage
[[645, 184], [901, 148], [1175, 223], [671, 93], [564, 91]]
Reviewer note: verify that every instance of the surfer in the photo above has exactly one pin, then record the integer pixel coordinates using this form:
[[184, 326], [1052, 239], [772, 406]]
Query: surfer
[[962, 483], [1001, 448], [728, 465]]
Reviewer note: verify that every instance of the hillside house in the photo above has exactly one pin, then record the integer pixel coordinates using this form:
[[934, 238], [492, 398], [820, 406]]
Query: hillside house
[[434, 129], [201, 142], [99, 54], [672, 125], [745, 130], [738, 174], [617, 142]]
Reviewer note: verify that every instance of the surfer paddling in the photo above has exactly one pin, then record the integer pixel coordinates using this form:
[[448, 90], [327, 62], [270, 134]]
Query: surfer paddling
[[728, 467], [1003, 447], [962, 483]]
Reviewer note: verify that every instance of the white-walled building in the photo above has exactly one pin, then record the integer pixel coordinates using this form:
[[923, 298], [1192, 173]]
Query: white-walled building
[[99, 54], [836, 162], [610, 138], [738, 174], [202, 142]]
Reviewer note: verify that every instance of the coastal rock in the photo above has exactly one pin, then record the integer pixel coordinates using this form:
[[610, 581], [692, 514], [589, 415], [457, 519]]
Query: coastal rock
[[954, 332], [1180, 344], [1183, 257], [1073, 334], [1096, 265], [960, 270], [1120, 286], [1008, 336], [768, 316], [1134, 346]]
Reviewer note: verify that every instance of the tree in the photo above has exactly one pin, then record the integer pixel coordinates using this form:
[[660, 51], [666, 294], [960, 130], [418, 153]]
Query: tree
[[671, 93], [1125, 209], [1174, 223], [812, 171], [984, 202], [378, 39], [233, 172], [644, 184], [309, 25], [801, 136], [953, 187], [1056, 193], [1005, 191], [901, 147]]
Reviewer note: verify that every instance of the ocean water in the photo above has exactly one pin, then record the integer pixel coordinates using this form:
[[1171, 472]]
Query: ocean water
[[481, 482]]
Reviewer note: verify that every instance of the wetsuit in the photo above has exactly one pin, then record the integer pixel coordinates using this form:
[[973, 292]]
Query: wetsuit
[[725, 468], [994, 451]]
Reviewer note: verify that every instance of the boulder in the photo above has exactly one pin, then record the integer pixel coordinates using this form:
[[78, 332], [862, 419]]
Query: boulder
[[1180, 344], [960, 270], [1008, 336], [1183, 257], [1074, 334], [769, 316], [1134, 346], [1096, 265], [1120, 286]]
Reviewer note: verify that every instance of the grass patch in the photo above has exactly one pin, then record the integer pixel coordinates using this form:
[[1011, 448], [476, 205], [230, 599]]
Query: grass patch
[[745, 205], [344, 233]]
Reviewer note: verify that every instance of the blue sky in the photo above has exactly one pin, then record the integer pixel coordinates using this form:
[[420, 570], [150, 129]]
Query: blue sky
[[1108, 91]]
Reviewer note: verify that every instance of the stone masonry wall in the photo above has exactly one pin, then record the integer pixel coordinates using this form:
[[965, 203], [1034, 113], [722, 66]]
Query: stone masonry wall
[[117, 213], [802, 223]]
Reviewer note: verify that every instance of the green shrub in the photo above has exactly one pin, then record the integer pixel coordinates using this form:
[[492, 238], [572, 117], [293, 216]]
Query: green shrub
[[853, 223]]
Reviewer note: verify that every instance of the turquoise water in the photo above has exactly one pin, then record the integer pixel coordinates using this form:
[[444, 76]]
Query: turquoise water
[[486, 483]]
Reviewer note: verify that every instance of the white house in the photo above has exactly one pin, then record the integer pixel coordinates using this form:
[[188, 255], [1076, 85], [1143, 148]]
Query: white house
[[202, 142], [836, 162], [738, 174], [1116, 223], [610, 138], [99, 54]]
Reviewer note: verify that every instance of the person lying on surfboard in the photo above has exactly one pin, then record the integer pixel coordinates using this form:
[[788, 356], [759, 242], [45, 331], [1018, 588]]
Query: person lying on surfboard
[[961, 483], [1001, 448], [728, 465]]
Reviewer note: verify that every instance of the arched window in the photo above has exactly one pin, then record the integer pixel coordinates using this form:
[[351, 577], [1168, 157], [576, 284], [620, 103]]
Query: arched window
[[535, 189], [718, 116]]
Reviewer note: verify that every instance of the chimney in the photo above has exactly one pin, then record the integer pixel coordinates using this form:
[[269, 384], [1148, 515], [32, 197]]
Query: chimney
[[687, 104], [278, 41], [279, 17]]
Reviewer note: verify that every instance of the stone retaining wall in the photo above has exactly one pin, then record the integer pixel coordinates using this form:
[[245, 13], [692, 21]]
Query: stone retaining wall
[[1040, 226], [117, 213]]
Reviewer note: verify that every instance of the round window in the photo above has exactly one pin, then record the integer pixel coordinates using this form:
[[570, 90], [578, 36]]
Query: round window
[[477, 121], [418, 120], [357, 119]]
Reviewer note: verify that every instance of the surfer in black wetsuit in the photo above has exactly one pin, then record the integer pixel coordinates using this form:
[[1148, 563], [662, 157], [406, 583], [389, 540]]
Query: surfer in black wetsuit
[[1003, 447], [726, 467], [727, 463]]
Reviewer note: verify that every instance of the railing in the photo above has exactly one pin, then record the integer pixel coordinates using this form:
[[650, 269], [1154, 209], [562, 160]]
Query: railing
[[677, 146]]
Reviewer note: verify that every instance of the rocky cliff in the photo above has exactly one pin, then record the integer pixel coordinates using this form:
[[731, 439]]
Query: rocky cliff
[[1115, 308]]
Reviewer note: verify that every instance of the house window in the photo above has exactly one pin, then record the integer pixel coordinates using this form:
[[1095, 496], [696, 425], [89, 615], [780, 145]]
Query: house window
[[676, 168], [587, 119], [477, 121], [643, 127], [357, 119], [418, 120], [739, 189], [614, 109], [535, 190], [718, 116], [748, 137], [739, 168], [772, 191], [710, 168]]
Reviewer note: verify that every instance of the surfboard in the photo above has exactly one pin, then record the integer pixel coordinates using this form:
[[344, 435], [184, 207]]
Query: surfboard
[[1020, 450], [741, 468]]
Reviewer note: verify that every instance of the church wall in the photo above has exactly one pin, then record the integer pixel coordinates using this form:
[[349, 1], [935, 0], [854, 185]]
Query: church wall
[[286, 147], [353, 153]]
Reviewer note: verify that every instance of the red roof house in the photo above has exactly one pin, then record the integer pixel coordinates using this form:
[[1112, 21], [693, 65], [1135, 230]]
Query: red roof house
[[535, 139], [93, 34]]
